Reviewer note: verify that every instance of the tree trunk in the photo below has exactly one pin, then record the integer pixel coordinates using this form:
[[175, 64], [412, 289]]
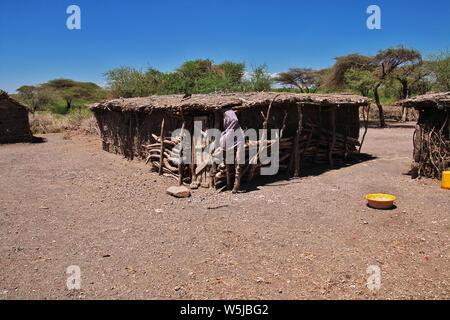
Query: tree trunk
[[404, 96], [68, 105], [404, 89], [380, 107], [404, 114]]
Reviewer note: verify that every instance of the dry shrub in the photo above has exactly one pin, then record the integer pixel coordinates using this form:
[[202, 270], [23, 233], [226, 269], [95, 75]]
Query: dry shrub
[[77, 120], [89, 126], [42, 123]]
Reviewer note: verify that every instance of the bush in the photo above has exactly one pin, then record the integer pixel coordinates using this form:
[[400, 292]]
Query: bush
[[43, 122]]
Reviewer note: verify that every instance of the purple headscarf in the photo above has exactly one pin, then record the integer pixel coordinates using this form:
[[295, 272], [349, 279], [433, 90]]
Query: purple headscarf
[[232, 134]]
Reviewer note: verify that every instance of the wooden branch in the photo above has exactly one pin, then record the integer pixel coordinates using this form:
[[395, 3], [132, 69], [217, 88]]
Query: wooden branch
[[162, 149]]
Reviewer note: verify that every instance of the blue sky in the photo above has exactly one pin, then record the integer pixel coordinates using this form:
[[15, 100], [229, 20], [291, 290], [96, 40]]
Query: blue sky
[[36, 46]]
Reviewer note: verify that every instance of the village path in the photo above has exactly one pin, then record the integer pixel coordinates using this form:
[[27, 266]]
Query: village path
[[66, 202]]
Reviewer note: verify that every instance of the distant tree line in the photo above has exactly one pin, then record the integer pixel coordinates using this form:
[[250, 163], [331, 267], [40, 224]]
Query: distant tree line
[[196, 76], [397, 72], [391, 74]]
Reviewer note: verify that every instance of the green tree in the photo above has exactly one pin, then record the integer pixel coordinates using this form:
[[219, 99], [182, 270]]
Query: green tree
[[192, 72], [260, 79], [333, 79], [360, 80], [439, 67], [36, 97], [385, 63], [127, 82], [72, 91], [412, 79], [230, 75], [305, 79]]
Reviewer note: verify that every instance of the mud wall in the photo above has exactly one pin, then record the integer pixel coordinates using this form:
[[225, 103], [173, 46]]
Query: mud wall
[[14, 125]]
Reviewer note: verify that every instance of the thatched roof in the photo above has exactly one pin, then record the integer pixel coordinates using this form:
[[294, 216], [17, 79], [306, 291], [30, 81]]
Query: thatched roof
[[225, 100], [439, 100], [5, 96]]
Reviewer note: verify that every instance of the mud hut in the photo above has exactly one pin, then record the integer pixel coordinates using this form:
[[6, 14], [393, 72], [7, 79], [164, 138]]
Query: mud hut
[[14, 125], [314, 130], [431, 140]]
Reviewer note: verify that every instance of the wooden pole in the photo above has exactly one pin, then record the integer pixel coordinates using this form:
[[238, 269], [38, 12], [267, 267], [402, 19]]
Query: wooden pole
[[366, 126], [193, 174], [297, 140], [162, 149], [266, 118], [217, 121], [228, 172], [237, 180], [180, 165], [283, 126], [320, 135], [333, 142]]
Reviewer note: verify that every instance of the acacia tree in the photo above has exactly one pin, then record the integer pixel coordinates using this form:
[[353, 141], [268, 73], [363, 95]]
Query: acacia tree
[[333, 79], [385, 63], [36, 96], [411, 77], [305, 79]]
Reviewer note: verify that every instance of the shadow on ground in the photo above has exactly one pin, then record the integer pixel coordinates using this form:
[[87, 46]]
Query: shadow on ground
[[38, 140], [375, 124], [306, 171]]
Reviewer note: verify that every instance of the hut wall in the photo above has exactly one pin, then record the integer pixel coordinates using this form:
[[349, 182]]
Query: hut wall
[[431, 143], [125, 132], [14, 125], [347, 118]]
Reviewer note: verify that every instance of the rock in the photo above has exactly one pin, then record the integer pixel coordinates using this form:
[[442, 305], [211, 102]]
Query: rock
[[177, 288], [179, 191]]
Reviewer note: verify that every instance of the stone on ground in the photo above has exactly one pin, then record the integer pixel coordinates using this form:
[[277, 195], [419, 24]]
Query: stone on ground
[[179, 191]]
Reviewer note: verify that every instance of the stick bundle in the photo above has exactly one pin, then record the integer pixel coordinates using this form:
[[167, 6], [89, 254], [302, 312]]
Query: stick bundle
[[431, 150]]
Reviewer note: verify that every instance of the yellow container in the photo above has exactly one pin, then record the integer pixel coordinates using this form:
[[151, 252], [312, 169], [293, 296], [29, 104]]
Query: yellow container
[[445, 184], [380, 200]]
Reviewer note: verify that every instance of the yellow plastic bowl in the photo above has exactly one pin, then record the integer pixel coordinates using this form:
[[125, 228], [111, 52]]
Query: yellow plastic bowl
[[445, 180], [380, 200]]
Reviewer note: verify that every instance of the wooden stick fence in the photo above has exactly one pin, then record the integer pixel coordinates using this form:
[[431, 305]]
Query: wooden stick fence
[[313, 144]]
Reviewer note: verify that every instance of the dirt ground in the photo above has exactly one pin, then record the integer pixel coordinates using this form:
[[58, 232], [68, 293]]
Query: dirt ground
[[66, 202]]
